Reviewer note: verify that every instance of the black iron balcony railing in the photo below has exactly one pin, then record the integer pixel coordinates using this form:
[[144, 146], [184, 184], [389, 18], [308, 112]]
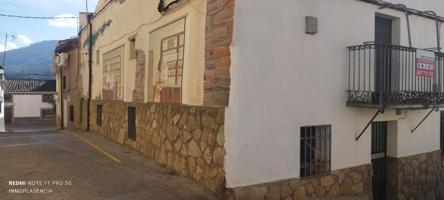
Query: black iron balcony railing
[[383, 75]]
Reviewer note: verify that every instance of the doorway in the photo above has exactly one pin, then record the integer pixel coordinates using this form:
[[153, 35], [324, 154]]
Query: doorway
[[379, 159], [383, 53]]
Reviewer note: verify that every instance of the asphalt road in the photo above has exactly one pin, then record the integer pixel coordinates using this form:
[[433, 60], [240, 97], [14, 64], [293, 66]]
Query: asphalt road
[[50, 164]]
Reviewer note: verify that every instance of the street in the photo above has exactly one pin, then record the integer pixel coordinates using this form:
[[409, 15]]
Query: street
[[51, 164]]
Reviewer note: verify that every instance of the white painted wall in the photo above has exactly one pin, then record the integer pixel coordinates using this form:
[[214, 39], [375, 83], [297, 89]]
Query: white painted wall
[[28, 105], [283, 79]]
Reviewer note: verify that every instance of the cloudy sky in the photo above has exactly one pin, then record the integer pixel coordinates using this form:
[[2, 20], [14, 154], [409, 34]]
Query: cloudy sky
[[28, 31]]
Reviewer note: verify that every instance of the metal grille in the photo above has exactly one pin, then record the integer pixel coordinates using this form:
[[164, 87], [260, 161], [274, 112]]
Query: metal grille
[[47, 98], [315, 150], [47, 113], [8, 98], [387, 74], [442, 132], [99, 115], [132, 123]]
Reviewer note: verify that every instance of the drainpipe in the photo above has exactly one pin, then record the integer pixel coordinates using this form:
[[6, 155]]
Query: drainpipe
[[438, 31], [88, 114]]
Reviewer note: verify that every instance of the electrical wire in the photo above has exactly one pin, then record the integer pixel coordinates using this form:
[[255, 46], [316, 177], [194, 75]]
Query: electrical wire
[[34, 17]]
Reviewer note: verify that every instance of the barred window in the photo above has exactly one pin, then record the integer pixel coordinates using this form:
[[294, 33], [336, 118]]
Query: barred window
[[8, 98], [99, 115], [47, 98], [47, 113], [315, 150]]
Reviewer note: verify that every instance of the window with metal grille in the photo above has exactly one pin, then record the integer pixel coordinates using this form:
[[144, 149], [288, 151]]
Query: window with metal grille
[[47, 113], [99, 115], [132, 123], [47, 98], [315, 150], [71, 113], [442, 132], [8, 98]]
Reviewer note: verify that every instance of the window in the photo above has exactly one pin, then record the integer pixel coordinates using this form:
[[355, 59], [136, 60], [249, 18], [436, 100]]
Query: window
[[71, 113], [315, 150], [167, 45], [132, 48], [8, 98], [81, 110], [442, 132], [132, 123], [64, 82], [99, 115], [47, 113], [97, 56], [47, 98], [172, 49]]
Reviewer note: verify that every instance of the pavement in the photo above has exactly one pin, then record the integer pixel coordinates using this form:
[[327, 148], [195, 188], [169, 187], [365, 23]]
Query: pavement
[[39, 162]]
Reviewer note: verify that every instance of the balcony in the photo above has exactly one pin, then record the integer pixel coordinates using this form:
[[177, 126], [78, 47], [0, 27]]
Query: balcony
[[397, 77]]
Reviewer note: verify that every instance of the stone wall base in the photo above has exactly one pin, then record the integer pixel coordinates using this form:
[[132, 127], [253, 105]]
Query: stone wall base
[[417, 177], [186, 139], [351, 183]]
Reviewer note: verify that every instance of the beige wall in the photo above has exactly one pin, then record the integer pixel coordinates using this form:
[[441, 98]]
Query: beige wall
[[137, 18], [283, 79]]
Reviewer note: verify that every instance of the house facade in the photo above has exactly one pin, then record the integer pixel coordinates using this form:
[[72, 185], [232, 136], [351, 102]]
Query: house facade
[[68, 71], [29, 100], [310, 100]]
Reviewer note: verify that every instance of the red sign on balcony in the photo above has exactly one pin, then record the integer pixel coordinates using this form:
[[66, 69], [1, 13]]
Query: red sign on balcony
[[425, 63]]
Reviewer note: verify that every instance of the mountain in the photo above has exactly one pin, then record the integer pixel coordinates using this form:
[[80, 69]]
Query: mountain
[[31, 62]]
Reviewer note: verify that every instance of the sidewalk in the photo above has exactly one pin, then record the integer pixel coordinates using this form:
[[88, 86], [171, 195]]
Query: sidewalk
[[173, 183]]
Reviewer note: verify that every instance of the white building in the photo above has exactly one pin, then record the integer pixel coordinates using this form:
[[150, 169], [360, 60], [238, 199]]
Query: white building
[[293, 63], [29, 100]]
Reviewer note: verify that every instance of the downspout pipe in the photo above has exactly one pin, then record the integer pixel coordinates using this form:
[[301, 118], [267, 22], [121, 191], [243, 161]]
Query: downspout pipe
[[438, 31], [88, 112]]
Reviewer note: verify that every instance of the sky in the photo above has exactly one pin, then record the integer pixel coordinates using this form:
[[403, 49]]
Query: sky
[[28, 31]]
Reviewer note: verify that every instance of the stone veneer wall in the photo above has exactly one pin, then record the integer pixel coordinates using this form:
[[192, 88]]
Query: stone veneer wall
[[419, 177], [218, 39], [346, 182], [186, 139]]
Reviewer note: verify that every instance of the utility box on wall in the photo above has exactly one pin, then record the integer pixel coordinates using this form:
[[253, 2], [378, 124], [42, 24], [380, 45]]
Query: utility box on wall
[[311, 25]]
